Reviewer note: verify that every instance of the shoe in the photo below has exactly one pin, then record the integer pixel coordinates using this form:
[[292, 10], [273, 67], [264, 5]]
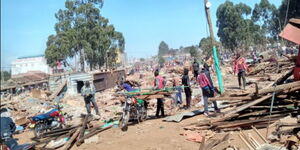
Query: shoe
[[206, 114]]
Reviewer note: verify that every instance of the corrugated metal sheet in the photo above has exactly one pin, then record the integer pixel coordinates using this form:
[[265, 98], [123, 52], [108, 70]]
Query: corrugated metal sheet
[[105, 80], [74, 78], [291, 33]]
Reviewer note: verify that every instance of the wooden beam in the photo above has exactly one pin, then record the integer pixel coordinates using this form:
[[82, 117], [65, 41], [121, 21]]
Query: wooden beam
[[279, 88], [58, 90], [258, 133], [229, 98], [80, 140], [282, 78], [81, 134], [68, 145]]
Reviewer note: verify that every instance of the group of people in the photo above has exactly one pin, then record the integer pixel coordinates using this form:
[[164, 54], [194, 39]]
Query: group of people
[[202, 77]]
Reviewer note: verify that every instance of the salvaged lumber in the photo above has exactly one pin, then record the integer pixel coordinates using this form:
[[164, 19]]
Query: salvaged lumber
[[230, 98], [71, 140], [58, 90]]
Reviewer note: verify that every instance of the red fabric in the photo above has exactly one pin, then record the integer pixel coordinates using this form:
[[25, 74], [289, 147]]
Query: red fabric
[[58, 64], [53, 114], [297, 74], [161, 82], [203, 80], [240, 64], [297, 68], [298, 58]]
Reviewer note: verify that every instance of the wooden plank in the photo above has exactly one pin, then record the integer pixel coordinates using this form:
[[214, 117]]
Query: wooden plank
[[230, 98], [248, 145], [258, 133], [202, 146], [247, 122], [80, 140], [81, 134], [59, 89], [282, 78], [222, 145], [279, 88], [245, 106], [68, 145]]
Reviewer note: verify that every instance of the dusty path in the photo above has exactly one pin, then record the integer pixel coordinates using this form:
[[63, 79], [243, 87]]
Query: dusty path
[[149, 135]]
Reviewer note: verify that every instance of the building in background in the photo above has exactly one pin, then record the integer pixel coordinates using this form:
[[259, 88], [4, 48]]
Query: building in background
[[30, 63]]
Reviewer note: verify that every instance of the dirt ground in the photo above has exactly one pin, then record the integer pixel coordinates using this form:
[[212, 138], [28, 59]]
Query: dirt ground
[[152, 134], [149, 135]]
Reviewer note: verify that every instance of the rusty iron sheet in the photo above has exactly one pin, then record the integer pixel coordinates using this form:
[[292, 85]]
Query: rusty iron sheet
[[291, 33]]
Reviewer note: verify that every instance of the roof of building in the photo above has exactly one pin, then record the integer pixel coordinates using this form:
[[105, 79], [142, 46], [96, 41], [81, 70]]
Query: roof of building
[[33, 56]]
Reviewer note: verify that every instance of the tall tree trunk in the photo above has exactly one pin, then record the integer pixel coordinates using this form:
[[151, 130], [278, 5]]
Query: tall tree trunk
[[82, 60]]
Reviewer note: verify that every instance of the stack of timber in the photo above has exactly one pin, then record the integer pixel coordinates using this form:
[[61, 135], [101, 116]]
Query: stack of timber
[[65, 138], [273, 66], [256, 108], [145, 94]]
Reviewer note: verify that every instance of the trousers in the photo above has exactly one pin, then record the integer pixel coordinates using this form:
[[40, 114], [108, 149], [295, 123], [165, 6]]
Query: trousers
[[178, 96], [160, 107], [241, 75], [88, 101], [207, 94]]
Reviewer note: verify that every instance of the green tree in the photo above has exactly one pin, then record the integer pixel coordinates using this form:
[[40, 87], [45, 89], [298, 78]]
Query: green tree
[[287, 10], [81, 30], [5, 75], [163, 48], [206, 46], [193, 51], [234, 29], [264, 15], [161, 61]]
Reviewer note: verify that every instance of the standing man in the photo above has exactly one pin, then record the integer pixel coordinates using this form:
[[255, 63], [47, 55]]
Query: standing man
[[206, 84], [159, 83], [240, 68], [187, 87], [176, 85], [195, 69], [88, 92]]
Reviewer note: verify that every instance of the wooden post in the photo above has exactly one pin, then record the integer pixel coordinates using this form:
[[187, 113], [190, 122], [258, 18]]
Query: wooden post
[[218, 71], [81, 134], [69, 143]]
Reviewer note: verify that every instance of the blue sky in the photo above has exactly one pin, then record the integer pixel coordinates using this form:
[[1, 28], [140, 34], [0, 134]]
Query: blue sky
[[26, 24]]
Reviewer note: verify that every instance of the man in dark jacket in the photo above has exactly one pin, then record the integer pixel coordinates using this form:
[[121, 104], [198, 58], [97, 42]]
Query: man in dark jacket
[[88, 92], [196, 68], [187, 87]]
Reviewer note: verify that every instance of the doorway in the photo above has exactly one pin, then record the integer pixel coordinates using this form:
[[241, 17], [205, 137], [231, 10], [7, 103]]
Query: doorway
[[80, 84]]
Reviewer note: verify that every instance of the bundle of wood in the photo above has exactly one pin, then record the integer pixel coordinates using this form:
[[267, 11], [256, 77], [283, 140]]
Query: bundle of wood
[[177, 70], [144, 94], [65, 138], [273, 66], [254, 108]]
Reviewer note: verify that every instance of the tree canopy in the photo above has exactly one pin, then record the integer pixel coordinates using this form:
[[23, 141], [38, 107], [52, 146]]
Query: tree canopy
[[206, 46], [235, 29], [81, 30], [163, 48]]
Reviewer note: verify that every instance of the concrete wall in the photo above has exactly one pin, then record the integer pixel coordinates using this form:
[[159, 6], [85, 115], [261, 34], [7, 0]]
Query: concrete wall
[[23, 65]]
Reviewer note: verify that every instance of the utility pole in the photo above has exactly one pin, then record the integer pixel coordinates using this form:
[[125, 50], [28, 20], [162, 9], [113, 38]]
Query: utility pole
[[207, 12], [216, 60]]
